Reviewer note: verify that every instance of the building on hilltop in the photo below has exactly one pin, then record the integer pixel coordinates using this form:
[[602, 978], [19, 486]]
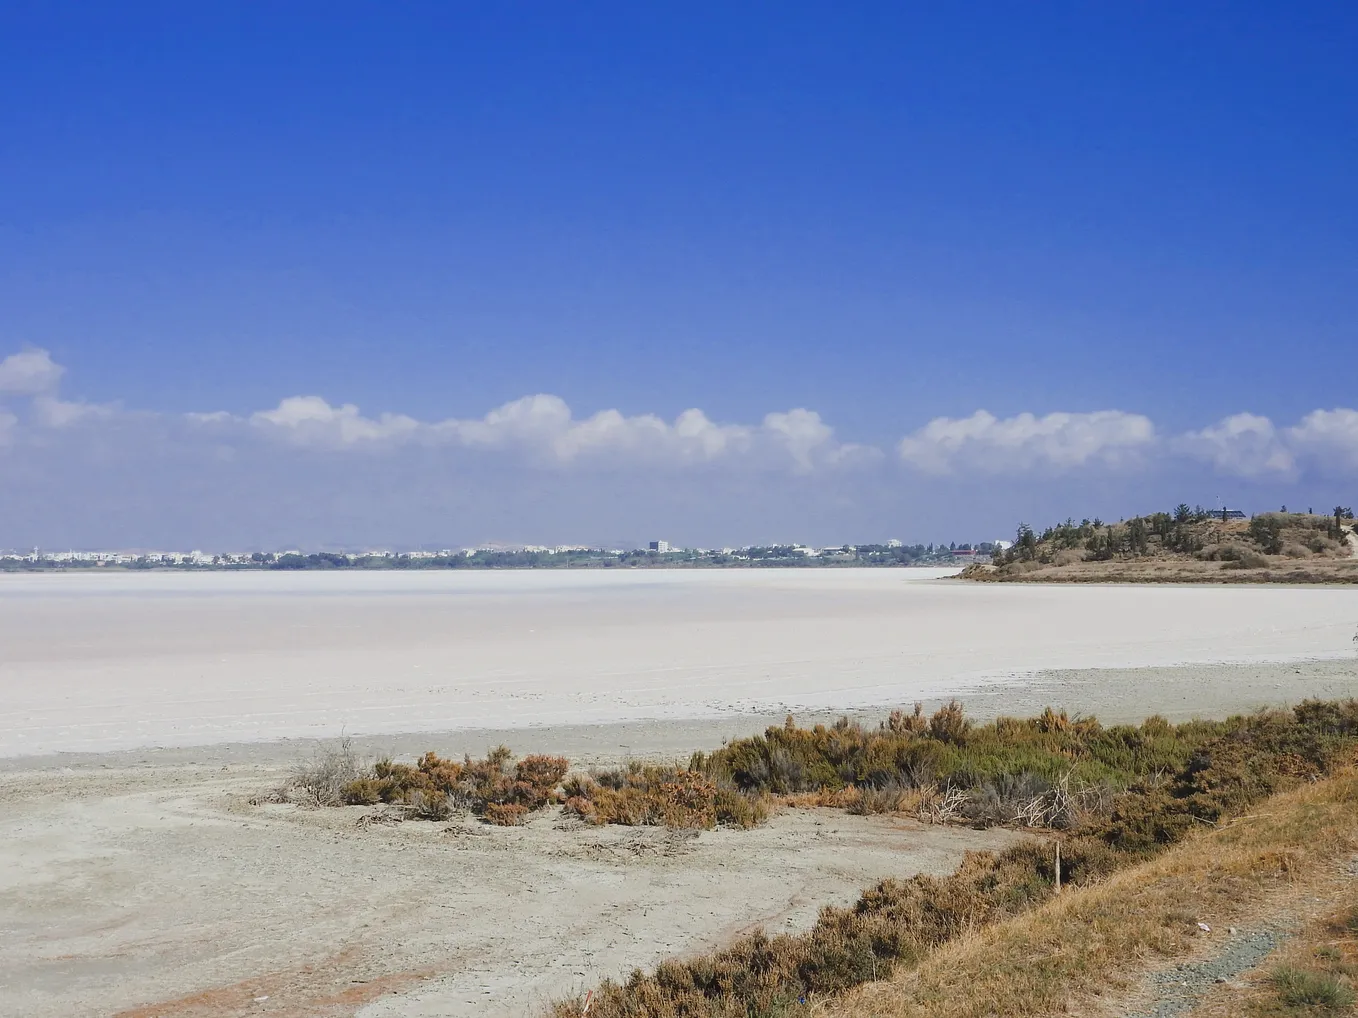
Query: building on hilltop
[[660, 547]]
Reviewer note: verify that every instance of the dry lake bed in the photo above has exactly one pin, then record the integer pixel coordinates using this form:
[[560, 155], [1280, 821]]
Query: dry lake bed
[[140, 714]]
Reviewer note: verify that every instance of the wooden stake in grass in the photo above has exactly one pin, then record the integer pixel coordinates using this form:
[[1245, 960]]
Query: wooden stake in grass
[[589, 999], [1058, 865]]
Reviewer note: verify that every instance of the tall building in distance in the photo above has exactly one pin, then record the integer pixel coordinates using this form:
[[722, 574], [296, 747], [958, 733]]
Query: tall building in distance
[[660, 547]]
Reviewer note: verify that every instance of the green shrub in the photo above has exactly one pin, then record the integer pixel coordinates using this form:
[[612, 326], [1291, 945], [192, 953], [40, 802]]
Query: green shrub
[[1009, 762]]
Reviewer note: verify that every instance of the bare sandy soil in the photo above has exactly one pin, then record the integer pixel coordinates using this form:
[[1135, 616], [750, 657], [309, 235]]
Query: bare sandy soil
[[162, 891]]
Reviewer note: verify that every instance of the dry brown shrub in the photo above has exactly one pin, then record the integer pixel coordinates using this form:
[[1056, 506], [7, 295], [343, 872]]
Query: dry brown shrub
[[950, 724], [505, 814], [901, 723], [429, 804], [661, 796], [435, 787]]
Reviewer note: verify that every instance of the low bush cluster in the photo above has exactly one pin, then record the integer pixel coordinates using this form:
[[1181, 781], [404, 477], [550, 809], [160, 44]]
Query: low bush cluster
[[504, 792], [1234, 555], [495, 789], [1224, 768], [665, 796], [1041, 772]]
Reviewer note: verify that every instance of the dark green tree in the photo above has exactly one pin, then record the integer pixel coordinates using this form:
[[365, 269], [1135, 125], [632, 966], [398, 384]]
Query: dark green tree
[[1136, 536]]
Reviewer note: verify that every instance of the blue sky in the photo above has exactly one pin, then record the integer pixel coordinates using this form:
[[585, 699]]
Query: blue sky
[[882, 217]]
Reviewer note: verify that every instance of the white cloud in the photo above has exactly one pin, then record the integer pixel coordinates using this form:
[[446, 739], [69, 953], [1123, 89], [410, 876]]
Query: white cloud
[[32, 374], [1329, 437], [542, 429], [29, 372], [1245, 445], [311, 420], [50, 412], [1057, 442]]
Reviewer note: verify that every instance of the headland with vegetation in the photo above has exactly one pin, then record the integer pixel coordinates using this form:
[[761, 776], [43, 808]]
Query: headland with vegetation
[[1183, 545]]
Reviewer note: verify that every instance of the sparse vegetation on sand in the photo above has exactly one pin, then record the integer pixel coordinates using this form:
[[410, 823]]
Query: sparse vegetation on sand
[[1226, 767], [1185, 544], [504, 792], [496, 788]]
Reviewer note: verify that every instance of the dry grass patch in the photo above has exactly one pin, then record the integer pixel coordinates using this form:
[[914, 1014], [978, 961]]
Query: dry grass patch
[[1086, 944]]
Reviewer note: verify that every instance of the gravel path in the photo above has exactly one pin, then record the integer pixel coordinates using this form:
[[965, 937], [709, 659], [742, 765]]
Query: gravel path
[[1178, 990]]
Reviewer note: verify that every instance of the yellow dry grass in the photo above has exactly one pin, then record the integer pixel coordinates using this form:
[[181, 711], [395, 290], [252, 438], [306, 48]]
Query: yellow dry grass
[[1066, 955]]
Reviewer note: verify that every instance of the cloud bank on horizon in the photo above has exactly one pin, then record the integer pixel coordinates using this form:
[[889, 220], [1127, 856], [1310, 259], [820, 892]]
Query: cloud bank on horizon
[[323, 454]]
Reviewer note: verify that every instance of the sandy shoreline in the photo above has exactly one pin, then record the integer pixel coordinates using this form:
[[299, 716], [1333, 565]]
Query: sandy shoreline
[[1114, 695], [145, 884]]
